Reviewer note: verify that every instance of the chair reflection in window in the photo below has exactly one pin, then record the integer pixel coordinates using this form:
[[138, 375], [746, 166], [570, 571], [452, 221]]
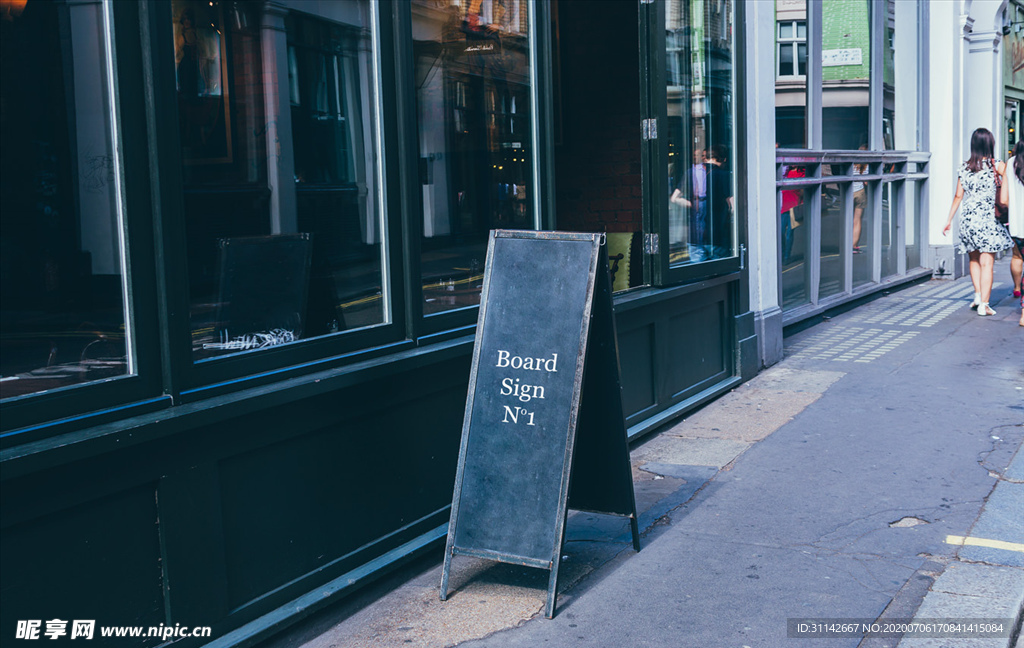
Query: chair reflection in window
[[264, 282]]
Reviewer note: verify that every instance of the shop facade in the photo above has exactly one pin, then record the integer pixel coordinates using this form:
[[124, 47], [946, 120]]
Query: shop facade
[[851, 150], [243, 245]]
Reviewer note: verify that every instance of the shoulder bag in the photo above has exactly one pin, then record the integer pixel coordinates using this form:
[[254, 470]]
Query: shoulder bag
[[1002, 212]]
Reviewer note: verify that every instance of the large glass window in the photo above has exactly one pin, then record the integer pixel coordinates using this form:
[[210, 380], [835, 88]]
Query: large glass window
[[473, 101], [889, 76], [846, 73], [62, 279], [912, 226], [863, 228], [1012, 124], [794, 220], [859, 112], [278, 114], [700, 102], [833, 256], [889, 228], [791, 74]]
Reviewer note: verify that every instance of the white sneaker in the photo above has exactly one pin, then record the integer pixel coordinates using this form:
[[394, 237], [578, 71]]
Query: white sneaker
[[984, 310]]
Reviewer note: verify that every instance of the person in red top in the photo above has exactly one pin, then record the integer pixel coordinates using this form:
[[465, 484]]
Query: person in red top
[[791, 199]]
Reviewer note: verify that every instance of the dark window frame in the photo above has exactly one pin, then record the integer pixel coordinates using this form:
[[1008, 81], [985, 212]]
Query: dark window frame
[[191, 381], [664, 273], [26, 418]]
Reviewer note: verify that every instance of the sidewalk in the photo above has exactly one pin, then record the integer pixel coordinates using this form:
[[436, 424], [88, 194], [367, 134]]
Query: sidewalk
[[873, 474]]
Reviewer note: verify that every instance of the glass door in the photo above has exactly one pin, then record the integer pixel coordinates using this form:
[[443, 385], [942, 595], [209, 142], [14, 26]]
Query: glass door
[[688, 47]]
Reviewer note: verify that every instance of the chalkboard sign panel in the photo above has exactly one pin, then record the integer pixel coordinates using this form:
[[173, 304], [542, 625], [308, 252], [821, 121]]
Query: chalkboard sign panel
[[543, 347]]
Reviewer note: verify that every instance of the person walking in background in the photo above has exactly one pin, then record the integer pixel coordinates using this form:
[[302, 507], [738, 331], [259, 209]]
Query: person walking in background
[[980, 235], [694, 184], [860, 201], [1013, 198], [720, 203]]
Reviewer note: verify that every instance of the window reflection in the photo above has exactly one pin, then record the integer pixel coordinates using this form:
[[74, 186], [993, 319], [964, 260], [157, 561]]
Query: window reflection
[[889, 197], [62, 302], [832, 253], [845, 72], [473, 106], [863, 226], [277, 126], [791, 73], [912, 225], [889, 79], [794, 203], [701, 204]]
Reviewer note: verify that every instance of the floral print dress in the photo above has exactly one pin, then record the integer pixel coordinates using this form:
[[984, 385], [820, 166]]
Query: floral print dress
[[979, 230]]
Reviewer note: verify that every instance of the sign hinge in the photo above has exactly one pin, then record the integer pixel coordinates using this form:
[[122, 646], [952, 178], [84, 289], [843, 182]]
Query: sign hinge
[[649, 129], [651, 244]]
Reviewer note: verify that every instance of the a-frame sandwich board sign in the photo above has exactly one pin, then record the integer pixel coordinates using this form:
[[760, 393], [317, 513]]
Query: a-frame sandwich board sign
[[544, 429]]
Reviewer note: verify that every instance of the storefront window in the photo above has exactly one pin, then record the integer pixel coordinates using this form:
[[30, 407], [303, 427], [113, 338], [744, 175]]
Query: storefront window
[[795, 242], [889, 207], [473, 98], [889, 77], [846, 73], [833, 255], [277, 113], [791, 74], [62, 299], [1011, 118], [863, 226], [700, 96], [912, 226]]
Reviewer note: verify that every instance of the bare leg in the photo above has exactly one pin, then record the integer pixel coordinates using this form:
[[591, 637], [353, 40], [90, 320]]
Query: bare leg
[[1016, 266], [857, 214], [975, 270], [986, 261]]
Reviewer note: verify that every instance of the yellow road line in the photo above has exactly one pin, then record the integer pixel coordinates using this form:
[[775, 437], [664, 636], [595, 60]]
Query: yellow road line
[[982, 542]]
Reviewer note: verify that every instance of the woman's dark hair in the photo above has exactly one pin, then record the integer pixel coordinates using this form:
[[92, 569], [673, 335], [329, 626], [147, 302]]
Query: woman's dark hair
[[1018, 161], [982, 146]]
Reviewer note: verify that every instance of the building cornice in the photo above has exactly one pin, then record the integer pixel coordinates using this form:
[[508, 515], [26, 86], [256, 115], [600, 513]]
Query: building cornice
[[986, 41]]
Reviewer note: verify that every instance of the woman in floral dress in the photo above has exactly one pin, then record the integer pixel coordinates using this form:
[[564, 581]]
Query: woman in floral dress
[[981, 236]]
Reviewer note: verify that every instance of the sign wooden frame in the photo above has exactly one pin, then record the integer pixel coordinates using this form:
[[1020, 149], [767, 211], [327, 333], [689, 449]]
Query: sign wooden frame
[[511, 501]]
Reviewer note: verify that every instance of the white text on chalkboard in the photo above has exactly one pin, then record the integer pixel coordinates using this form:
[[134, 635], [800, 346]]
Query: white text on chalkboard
[[511, 387], [515, 388], [505, 359], [512, 415]]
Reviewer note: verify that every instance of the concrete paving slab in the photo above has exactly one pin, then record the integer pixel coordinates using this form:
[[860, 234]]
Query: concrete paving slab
[[953, 643], [752, 412], [981, 580], [1000, 521], [486, 597], [675, 450], [951, 607], [1015, 472]]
